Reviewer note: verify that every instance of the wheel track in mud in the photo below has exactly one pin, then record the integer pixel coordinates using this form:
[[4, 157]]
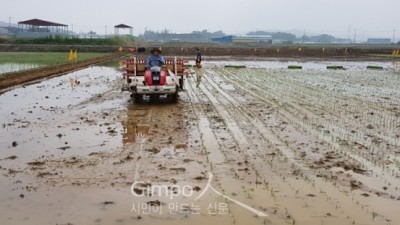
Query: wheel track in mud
[[244, 111], [289, 114], [210, 144], [230, 107]]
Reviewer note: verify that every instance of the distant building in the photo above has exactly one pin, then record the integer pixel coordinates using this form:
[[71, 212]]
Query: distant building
[[8, 31], [253, 39], [3, 31], [188, 37], [379, 41], [195, 37], [36, 28], [244, 39], [122, 26], [224, 39]]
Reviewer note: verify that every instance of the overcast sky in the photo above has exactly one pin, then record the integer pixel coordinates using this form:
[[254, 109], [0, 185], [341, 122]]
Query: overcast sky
[[376, 18]]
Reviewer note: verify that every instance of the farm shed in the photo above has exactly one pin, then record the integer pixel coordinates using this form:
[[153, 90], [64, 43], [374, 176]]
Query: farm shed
[[41, 28]]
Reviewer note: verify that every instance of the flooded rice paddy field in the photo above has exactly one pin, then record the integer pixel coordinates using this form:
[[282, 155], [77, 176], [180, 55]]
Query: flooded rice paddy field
[[260, 145], [14, 67]]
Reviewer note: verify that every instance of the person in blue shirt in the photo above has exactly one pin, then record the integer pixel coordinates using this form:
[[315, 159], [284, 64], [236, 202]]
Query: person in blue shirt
[[155, 59], [198, 58]]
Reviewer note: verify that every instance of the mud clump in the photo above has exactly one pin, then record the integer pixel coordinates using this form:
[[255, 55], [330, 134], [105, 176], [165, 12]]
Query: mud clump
[[179, 169], [44, 174], [347, 166], [180, 146], [196, 188], [36, 163], [354, 184], [64, 148], [107, 203], [153, 150], [14, 144], [11, 157], [154, 203], [200, 178], [365, 194]]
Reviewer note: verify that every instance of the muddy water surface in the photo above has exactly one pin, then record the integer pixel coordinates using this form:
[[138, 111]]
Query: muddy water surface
[[261, 145]]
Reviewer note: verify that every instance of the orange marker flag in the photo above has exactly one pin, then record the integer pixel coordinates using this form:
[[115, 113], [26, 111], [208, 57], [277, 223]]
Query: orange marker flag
[[120, 49], [299, 49], [323, 50], [394, 52], [398, 52], [70, 56], [278, 50]]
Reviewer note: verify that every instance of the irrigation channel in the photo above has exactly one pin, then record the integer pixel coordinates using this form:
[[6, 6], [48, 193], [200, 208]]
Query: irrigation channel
[[310, 146]]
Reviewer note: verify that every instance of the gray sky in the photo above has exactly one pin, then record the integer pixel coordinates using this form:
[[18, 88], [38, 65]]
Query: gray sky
[[371, 18]]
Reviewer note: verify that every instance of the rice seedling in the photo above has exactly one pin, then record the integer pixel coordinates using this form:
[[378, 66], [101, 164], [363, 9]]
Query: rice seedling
[[295, 67], [375, 67], [235, 66], [335, 68]]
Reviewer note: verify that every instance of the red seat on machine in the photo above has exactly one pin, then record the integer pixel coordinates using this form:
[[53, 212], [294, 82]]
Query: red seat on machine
[[155, 77]]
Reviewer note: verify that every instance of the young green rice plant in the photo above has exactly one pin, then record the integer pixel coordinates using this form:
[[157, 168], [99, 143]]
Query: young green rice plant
[[295, 67], [375, 67], [335, 68], [235, 66]]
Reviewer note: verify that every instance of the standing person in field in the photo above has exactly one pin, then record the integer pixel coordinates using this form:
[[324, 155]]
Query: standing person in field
[[155, 59], [198, 58]]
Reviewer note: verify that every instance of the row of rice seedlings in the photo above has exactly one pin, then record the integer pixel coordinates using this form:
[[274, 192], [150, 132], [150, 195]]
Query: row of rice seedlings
[[342, 135], [235, 66]]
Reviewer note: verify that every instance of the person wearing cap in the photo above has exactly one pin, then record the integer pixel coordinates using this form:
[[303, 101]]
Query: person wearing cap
[[198, 58], [155, 59]]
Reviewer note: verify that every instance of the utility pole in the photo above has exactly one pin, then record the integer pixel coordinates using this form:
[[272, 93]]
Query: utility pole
[[348, 34], [355, 35], [106, 30], [304, 35], [394, 36]]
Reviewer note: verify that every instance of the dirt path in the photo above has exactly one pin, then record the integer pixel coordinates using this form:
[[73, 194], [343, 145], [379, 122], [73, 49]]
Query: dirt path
[[304, 147]]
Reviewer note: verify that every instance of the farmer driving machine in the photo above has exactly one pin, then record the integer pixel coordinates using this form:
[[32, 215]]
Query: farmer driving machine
[[156, 81]]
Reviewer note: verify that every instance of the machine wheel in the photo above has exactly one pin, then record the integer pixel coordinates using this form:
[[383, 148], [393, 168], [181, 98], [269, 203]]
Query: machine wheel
[[154, 97], [137, 98], [175, 96]]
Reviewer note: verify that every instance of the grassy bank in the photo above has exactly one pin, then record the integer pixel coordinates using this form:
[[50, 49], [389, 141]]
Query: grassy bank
[[57, 40], [42, 58]]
